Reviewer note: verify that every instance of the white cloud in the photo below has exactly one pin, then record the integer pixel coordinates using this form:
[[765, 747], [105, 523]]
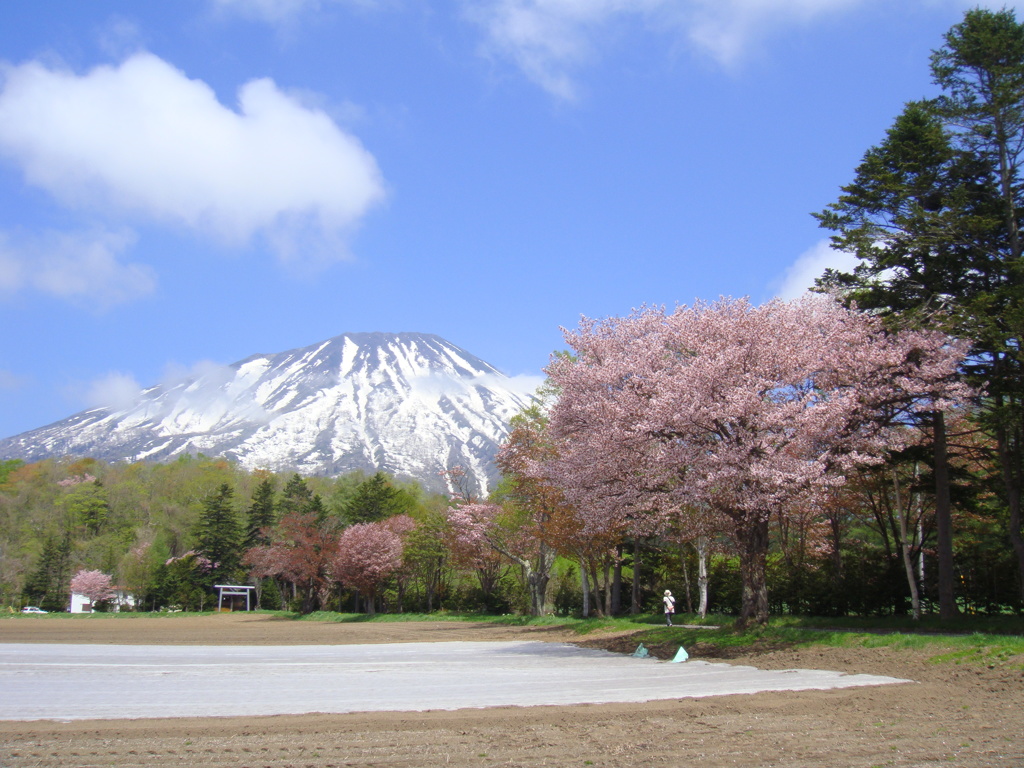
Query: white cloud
[[120, 37], [12, 276], [523, 384], [433, 385], [84, 268], [550, 39], [724, 29], [141, 138], [811, 264], [210, 373], [116, 391], [211, 389], [280, 11], [273, 11]]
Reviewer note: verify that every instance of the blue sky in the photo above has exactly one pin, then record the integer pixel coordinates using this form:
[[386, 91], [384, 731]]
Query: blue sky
[[189, 183]]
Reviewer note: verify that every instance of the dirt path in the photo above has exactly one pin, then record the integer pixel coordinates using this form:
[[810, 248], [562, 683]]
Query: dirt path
[[955, 715]]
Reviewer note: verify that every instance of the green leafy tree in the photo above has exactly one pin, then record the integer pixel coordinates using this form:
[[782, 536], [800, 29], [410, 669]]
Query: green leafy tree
[[87, 506], [7, 466], [182, 582], [981, 70], [139, 568], [932, 217], [427, 555]]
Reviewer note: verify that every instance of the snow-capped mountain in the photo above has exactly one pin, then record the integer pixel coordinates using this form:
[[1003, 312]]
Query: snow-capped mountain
[[411, 404]]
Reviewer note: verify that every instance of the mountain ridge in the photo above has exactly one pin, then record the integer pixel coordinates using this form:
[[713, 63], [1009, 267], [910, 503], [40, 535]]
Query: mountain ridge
[[411, 404]]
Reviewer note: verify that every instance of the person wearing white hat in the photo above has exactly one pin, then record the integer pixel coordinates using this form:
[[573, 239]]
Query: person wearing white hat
[[670, 607]]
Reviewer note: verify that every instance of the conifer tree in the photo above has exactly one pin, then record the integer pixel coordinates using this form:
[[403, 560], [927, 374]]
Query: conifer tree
[[47, 587], [218, 534], [296, 497], [261, 514], [376, 499], [932, 216]]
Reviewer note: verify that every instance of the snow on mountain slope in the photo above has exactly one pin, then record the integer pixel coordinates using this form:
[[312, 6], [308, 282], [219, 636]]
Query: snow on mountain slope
[[410, 404]]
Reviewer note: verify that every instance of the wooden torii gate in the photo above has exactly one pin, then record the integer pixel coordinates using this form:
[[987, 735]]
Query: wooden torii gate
[[233, 589]]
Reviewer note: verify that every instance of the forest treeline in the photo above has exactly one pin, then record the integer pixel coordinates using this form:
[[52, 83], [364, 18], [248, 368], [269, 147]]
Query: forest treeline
[[166, 533]]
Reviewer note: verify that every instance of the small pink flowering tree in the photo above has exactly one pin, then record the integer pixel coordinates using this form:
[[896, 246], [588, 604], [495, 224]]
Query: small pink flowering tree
[[738, 410], [368, 554], [94, 585]]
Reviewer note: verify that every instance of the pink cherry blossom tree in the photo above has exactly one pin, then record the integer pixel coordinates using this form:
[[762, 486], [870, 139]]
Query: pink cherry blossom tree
[[470, 552], [95, 585], [368, 554], [738, 410]]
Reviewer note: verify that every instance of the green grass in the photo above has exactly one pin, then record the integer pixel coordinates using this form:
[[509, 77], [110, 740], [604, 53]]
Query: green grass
[[990, 641], [963, 624], [988, 647]]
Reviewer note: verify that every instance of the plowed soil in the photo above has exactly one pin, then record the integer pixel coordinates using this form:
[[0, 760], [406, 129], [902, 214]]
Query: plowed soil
[[954, 715]]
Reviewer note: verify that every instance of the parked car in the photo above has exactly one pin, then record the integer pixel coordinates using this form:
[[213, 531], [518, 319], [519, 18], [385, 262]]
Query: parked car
[[32, 609]]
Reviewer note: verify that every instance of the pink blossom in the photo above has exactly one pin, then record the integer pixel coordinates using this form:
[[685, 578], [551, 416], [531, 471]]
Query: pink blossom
[[738, 410], [76, 480], [367, 555], [95, 585]]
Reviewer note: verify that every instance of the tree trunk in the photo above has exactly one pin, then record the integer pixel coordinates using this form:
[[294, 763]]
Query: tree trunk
[[836, 528], [908, 564], [1009, 464], [634, 591], [752, 538], [702, 575], [1016, 537], [608, 588], [599, 588], [943, 521], [616, 605], [686, 581], [920, 551], [538, 584], [537, 578], [585, 586]]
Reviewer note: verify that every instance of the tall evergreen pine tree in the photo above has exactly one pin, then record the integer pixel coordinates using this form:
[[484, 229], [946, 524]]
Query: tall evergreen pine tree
[[932, 215], [219, 536], [261, 515]]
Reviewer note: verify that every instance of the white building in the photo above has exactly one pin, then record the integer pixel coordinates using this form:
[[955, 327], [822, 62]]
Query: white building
[[121, 599]]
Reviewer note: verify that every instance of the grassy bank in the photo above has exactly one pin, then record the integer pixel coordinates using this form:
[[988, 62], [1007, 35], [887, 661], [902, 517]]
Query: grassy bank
[[992, 641], [989, 643], [981, 640]]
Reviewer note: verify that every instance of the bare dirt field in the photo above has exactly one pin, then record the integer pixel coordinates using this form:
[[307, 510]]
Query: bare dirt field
[[957, 715]]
